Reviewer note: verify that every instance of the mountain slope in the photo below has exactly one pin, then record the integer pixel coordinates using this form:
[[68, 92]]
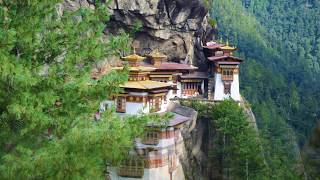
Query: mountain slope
[[273, 76], [277, 78], [294, 29]]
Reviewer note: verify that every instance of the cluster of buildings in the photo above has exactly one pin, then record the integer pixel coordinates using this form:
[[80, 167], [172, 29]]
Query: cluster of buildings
[[153, 83]]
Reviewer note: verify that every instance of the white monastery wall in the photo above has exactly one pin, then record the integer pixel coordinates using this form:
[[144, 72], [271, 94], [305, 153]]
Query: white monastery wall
[[160, 173], [179, 91], [202, 86], [134, 108], [235, 92], [219, 89]]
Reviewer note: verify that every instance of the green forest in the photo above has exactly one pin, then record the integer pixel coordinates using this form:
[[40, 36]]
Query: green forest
[[46, 114], [279, 40], [47, 129], [236, 150]]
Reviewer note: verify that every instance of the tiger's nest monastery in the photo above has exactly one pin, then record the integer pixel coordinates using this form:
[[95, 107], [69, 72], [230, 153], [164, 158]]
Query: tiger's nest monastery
[[153, 83]]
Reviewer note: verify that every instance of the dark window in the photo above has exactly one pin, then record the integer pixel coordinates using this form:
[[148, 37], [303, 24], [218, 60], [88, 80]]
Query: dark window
[[151, 137], [121, 104], [155, 105], [227, 74], [227, 88]]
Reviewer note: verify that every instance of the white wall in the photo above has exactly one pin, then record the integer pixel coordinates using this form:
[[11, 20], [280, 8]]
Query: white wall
[[235, 89], [179, 91], [138, 93], [161, 173], [219, 89], [170, 95], [202, 87], [133, 108]]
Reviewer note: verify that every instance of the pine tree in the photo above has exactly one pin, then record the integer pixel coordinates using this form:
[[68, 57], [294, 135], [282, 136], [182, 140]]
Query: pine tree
[[47, 96], [237, 143]]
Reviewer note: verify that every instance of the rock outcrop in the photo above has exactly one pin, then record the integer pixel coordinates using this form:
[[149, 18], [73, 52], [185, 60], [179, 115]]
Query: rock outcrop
[[175, 27], [192, 156]]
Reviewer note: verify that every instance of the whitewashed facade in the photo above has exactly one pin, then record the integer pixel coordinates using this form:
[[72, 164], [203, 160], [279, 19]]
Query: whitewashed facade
[[219, 91]]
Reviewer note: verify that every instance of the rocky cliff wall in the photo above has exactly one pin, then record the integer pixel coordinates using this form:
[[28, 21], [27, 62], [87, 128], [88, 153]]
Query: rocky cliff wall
[[178, 28], [191, 155]]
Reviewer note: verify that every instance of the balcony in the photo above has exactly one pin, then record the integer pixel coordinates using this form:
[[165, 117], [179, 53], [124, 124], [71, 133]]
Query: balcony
[[131, 167], [151, 141], [227, 77]]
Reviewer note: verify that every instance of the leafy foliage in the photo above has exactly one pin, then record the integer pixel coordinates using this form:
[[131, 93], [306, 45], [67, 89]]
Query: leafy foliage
[[272, 72], [48, 98], [237, 150], [236, 143], [277, 39]]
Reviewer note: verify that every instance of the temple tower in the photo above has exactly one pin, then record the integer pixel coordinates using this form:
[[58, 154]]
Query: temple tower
[[224, 68]]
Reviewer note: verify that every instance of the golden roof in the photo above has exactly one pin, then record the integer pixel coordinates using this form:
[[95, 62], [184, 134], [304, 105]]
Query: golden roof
[[227, 47], [133, 57], [157, 54], [137, 68], [145, 85]]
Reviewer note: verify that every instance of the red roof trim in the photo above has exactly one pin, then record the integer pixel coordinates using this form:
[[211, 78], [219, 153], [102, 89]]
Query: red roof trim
[[231, 63], [174, 66], [218, 58]]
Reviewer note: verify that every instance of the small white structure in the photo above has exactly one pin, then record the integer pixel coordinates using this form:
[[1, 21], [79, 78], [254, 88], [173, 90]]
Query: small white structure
[[227, 84], [224, 68]]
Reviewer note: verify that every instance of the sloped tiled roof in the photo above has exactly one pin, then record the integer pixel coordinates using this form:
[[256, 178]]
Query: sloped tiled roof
[[195, 75], [157, 54], [175, 66], [178, 119], [137, 68], [133, 57], [219, 58], [145, 85], [227, 47]]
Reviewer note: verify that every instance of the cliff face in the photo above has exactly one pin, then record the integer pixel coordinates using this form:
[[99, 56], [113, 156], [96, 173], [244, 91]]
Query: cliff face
[[175, 27], [191, 155]]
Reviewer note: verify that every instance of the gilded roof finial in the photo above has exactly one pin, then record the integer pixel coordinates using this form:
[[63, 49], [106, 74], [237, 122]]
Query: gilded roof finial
[[221, 40], [228, 47], [157, 54], [134, 56]]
